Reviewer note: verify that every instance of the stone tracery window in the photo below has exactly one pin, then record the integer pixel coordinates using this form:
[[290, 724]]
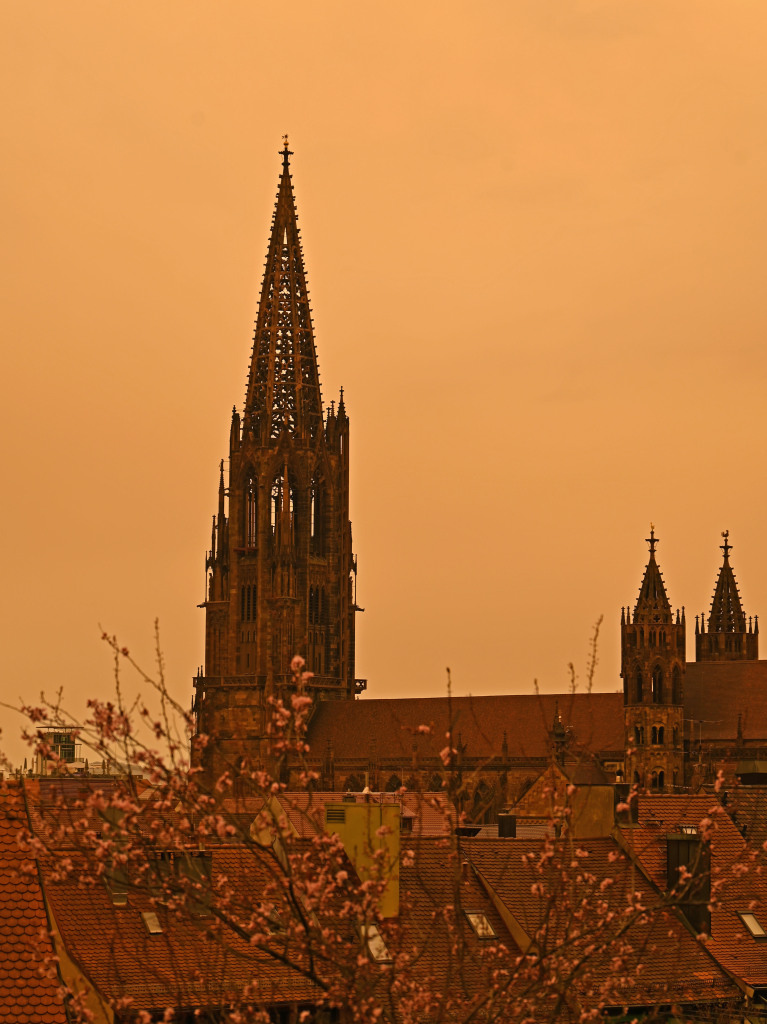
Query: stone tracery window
[[251, 511]]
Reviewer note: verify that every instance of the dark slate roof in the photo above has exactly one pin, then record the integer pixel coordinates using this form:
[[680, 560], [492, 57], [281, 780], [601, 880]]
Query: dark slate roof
[[716, 692], [28, 992], [387, 728]]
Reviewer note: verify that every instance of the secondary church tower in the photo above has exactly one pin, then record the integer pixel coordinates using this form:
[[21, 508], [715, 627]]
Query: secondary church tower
[[280, 570]]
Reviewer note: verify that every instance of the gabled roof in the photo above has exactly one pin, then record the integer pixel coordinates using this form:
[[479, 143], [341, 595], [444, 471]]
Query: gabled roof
[[597, 923], [29, 988], [747, 806], [181, 966], [367, 729], [451, 962], [743, 890]]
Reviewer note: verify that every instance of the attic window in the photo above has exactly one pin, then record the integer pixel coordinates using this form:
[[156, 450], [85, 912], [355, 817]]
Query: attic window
[[750, 921], [482, 927], [152, 922], [375, 943]]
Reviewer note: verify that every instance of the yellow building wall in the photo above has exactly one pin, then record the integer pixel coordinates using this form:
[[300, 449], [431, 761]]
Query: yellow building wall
[[364, 829]]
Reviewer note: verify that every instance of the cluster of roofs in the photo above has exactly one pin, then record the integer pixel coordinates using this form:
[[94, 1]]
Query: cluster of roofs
[[584, 898]]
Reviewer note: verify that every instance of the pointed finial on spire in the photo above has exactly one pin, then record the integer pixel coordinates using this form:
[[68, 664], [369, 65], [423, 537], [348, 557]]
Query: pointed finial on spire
[[286, 153], [651, 539], [726, 547]]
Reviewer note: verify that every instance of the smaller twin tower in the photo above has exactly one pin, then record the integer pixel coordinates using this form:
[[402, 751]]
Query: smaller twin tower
[[280, 569], [653, 664]]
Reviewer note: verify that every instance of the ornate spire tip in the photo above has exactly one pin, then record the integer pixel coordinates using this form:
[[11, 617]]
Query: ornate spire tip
[[726, 547], [651, 539]]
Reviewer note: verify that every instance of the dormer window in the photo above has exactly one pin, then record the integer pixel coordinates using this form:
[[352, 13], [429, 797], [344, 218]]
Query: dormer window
[[753, 925]]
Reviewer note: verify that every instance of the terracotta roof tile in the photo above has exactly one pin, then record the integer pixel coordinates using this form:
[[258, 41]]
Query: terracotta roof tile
[[27, 993], [731, 943], [359, 728], [717, 692], [659, 959], [180, 966]]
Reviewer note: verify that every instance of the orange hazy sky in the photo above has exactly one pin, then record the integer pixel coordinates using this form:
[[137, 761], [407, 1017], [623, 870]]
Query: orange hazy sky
[[536, 237]]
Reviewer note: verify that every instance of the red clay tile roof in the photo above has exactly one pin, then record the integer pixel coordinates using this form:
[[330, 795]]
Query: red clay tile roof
[[179, 967], [431, 884], [716, 692], [655, 960], [747, 806], [27, 993], [363, 728], [743, 889]]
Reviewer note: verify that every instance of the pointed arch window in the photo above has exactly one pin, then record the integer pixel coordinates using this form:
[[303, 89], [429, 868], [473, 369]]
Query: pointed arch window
[[657, 685], [676, 685], [276, 506], [639, 686], [317, 518], [251, 511]]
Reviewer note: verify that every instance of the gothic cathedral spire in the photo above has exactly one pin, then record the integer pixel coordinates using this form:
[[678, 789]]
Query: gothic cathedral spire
[[283, 383], [280, 569], [728, 637]]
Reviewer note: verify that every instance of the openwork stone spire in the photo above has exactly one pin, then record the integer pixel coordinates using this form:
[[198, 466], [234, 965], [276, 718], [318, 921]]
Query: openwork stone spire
[[728, 637], [283, 384]]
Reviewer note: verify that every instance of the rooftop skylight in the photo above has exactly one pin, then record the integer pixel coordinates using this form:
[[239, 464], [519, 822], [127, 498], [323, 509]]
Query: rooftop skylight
[[375, 943], [152, 922], [482, 927], [750, 921]]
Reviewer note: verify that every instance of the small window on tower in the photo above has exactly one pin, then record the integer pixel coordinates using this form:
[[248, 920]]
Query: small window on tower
[[251, 512]]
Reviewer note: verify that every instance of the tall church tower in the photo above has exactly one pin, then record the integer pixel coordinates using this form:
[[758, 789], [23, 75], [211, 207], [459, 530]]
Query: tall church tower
[[652, 667], [728, 637], [280, 571]]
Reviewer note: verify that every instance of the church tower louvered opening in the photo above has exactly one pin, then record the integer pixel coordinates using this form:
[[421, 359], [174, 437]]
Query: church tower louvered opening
[[280, 571], [728, 635], [653, 667]]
